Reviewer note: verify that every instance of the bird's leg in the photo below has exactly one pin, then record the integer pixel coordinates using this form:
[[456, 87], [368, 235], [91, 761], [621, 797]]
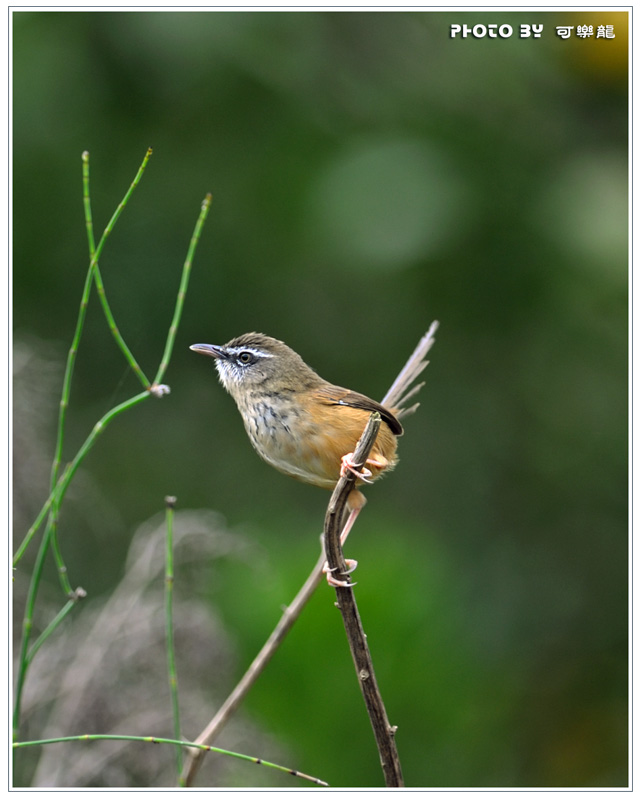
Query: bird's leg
[[353, 513]]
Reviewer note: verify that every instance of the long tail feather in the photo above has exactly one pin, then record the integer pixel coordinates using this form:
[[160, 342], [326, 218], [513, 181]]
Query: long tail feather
[[402, 390]]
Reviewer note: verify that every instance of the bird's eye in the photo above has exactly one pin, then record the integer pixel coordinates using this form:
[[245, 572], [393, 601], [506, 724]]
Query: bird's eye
[[245, 357]]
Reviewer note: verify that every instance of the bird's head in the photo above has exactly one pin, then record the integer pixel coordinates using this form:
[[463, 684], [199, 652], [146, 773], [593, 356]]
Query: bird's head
[[254, 362]]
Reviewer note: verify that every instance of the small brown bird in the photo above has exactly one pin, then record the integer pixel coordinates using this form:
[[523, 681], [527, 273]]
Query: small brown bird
[[303, 425]]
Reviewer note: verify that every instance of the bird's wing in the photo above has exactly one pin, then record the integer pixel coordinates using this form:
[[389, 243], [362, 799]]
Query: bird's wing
[[337, 396]]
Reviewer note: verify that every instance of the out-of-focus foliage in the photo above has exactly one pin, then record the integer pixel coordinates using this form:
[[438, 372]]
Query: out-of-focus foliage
[[369, 173]]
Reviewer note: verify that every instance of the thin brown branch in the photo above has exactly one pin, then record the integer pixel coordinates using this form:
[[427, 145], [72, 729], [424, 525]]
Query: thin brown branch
[[228, 708], [383, 731]]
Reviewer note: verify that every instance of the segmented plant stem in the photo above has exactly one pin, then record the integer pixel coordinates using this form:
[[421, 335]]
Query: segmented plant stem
[[182, 291], [168, 606]]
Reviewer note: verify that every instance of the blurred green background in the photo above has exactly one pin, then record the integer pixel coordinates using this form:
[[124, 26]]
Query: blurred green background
[[369, 174]]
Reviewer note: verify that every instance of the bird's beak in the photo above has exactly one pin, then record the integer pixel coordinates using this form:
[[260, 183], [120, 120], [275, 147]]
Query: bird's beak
[[213, 350]]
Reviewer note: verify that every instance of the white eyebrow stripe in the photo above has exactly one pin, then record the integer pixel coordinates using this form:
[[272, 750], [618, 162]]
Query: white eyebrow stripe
[[253, 350]]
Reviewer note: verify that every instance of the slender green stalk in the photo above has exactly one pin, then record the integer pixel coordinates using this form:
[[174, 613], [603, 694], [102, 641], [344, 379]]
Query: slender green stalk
[[157, 740], [34, 528], [156, 388], [57, 554], [56, 500], [137, 369], [57, 459], [26, 656], [79, 594], [95, 253], [59, 485], [170, 503], [184, 282], [123, 203], [88, 443], [58, 493], [84, 301], [68, 375], [86, 201], [92, 273], [27, 624]]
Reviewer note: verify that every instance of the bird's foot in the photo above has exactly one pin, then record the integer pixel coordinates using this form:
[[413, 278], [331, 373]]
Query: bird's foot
[[351, 565], [347, 465]]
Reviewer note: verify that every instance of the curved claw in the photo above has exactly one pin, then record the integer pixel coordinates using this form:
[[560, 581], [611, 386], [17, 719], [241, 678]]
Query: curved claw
[[347, 465], [351, 565]]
